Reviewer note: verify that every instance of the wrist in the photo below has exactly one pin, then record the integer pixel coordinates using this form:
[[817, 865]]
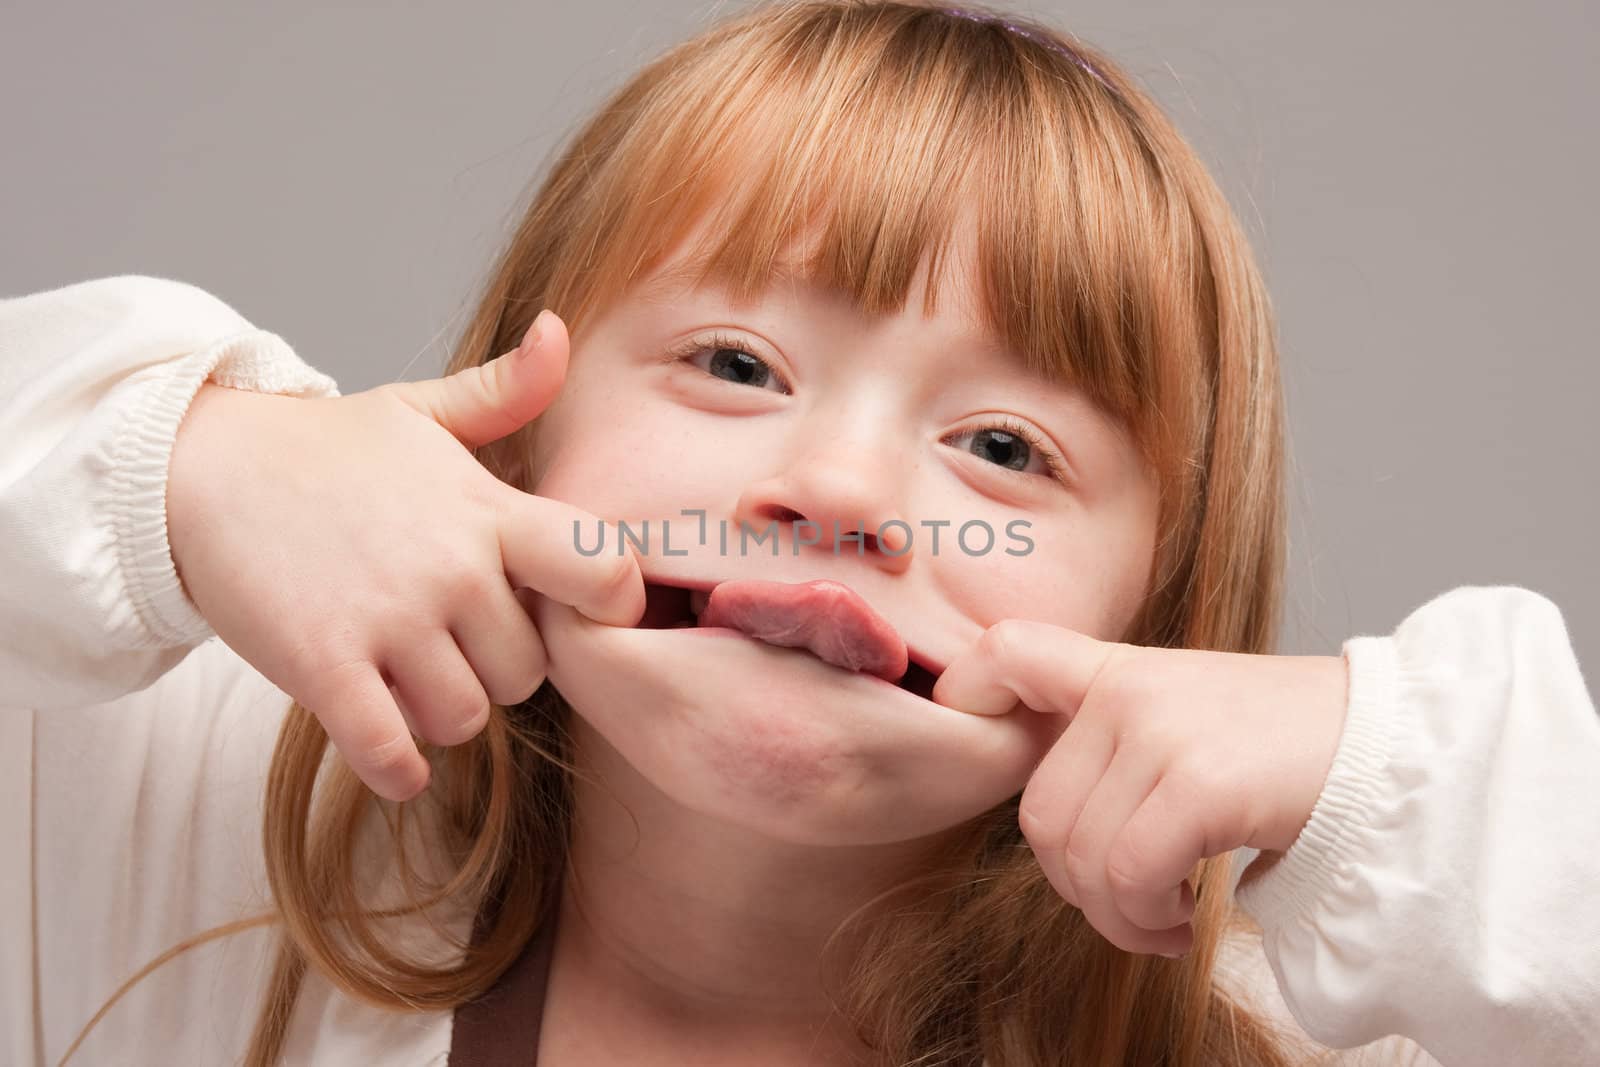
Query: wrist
[[196, 463]]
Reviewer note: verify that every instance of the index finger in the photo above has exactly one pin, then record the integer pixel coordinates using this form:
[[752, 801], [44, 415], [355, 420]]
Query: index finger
[[1046, 667], [544, 547]]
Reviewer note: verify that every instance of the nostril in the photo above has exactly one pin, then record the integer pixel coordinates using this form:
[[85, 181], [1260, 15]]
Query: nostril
[[870, 543]]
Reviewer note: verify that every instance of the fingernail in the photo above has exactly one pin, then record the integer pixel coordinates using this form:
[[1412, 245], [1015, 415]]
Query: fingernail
[[530, 340]]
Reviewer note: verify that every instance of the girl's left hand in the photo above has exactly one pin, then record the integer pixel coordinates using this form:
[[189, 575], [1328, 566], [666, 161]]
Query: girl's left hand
[[1167, 757]]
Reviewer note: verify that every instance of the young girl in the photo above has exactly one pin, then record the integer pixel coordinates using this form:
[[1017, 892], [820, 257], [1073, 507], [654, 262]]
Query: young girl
[[876, 277]]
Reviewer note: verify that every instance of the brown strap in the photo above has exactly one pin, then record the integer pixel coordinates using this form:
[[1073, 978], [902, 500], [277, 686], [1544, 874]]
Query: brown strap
[[500, 1028]]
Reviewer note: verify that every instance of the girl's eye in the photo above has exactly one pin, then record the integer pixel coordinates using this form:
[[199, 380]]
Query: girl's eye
[[727, 358], [1013, 445], [1008, 443]]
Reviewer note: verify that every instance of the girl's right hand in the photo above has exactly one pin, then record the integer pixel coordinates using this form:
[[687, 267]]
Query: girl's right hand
[[354, 552]]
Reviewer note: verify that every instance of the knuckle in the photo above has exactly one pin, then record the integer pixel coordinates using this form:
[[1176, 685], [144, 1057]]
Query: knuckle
[[1204, 779], [620, 575], [1119, 687], [384, 755], [999, 641], [337, 681], [475, 585], [328, 659], [1152, 735], [613, 576], [463, 725], [1038, 828], [1080, 867], [1127, 868], [488, 493], [1122, 695], [510, 694]]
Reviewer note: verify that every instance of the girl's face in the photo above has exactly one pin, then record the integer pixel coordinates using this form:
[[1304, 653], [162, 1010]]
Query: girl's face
[[797, 407]]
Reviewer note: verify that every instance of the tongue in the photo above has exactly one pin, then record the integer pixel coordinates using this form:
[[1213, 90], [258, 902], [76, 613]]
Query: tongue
[[828, 618]]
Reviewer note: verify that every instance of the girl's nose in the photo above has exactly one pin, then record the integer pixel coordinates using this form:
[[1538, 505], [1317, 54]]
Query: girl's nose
[[846, 502]]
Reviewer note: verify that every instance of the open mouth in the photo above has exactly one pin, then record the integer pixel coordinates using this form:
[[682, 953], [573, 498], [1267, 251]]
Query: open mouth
[[669, 607]]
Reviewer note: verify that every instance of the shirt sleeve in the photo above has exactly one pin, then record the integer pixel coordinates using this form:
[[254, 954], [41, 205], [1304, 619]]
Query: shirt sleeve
[[95, 379], [1443, 888]]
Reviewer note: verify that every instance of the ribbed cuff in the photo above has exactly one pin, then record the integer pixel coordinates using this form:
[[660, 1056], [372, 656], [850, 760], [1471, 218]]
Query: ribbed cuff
[[258, 361], [1342, 819]]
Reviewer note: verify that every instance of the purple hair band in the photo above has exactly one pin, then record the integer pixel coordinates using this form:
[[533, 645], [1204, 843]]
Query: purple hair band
[[1051, 43]]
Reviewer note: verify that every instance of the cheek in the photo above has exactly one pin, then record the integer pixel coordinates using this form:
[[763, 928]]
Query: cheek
[[1085, 572], [1075, 586], [648, 465], [607, 476]]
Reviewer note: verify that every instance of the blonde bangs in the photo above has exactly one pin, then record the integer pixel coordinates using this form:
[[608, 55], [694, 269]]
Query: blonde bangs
[[879, 132]]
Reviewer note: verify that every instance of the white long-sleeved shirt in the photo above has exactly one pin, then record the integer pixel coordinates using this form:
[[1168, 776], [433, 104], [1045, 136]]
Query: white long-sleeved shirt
[[1444, 890]]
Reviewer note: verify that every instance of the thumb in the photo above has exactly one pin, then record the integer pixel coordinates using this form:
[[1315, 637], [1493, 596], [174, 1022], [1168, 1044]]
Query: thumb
[[486, 402]]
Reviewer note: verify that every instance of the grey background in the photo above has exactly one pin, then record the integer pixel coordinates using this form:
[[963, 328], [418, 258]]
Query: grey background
[[1417, 178]]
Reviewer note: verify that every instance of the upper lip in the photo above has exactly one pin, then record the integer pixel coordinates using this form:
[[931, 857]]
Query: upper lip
[[916, 653]]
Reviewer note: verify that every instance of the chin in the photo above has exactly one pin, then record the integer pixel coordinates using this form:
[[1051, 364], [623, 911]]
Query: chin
[[779, 742]]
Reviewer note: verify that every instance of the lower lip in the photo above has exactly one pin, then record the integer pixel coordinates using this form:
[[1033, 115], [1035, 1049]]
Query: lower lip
[[725, 631]]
